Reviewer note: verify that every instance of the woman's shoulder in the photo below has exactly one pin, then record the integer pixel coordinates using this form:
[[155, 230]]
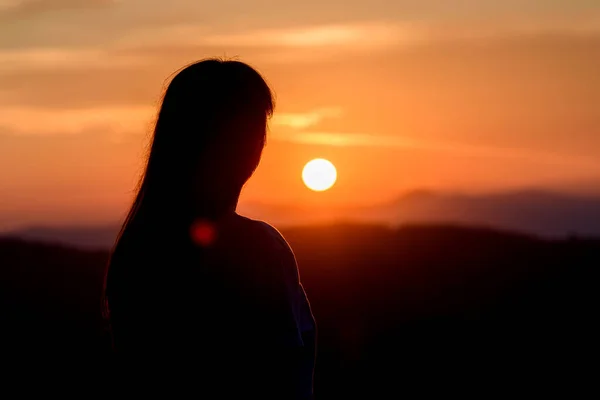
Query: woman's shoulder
[[264, 244], [263, 233]]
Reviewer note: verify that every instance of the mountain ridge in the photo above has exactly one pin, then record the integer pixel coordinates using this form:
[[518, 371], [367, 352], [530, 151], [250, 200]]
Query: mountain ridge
[[536, 212]]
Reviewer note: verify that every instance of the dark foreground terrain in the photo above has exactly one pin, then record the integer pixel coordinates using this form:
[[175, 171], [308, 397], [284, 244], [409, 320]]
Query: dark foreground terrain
[[425, 308]]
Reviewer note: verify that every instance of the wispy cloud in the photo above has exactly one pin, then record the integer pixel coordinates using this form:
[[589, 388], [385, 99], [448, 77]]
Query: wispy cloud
[[35, 59], [139, 119], [360, 34], [33, 121], [28, 8], [305, 120], [588, 24], [41, 121], [8, 4], [371, 35], [147, 45], [402, 142]]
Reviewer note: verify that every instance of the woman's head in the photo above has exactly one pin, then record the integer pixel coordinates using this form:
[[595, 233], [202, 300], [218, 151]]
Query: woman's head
[[208, 138], [207, 142]]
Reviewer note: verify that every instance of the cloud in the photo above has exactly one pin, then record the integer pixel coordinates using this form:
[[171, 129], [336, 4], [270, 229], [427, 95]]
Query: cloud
[[147, 46], [39, 59], [33, 121], [401, 142], [28, 8], [139, 46], [338, 37], [511, 27], [372, 34], [364, 35], [125, 119], [305, 120]]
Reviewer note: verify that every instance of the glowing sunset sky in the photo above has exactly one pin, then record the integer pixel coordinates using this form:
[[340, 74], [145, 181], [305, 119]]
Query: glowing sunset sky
[[478, 95]]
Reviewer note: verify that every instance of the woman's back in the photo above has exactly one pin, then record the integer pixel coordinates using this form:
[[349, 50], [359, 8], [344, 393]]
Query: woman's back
[[233, 309]]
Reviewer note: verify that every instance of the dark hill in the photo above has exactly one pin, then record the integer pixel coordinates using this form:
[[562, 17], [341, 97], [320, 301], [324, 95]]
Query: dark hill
[[395, 307]]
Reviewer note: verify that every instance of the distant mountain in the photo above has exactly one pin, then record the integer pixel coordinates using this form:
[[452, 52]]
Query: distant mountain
[[534, 212], [590, 187], [99, 237]]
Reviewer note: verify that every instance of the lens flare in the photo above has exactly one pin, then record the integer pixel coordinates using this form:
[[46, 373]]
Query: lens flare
[[203, 233]]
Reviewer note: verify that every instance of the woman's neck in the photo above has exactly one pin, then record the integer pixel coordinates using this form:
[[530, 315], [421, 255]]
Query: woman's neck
[[215, 207]]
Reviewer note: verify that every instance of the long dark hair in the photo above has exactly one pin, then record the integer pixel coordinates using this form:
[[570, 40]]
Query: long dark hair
[[207, 142]]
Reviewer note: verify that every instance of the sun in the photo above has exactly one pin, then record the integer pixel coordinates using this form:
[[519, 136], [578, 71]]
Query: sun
[[319, 174]]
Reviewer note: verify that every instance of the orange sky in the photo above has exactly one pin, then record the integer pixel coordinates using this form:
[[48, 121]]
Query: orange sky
[[399, 95]]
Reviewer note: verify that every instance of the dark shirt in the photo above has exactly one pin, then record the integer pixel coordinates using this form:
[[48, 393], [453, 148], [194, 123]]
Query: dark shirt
[[227, 314]]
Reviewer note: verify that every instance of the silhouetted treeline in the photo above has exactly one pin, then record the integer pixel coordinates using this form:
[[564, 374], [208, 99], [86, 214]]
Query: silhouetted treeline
[[424, 307]]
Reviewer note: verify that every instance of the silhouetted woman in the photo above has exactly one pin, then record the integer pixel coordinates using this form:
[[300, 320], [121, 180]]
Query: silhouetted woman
[[195, 293]]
